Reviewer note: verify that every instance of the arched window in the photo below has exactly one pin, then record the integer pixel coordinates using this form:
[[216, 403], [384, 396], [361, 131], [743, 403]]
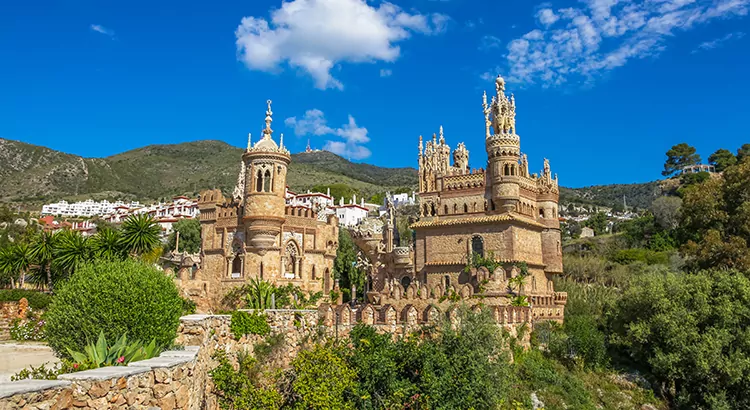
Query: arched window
[[261, 270], [455, 208], [447, 281], [193, 271], [477, 245], [506, 169], [493, 205], [405, 282], [267, 181], [313, 273], [434, 210], [541, 213], [237, 265], [513, 170], [446, 210], [291, 257], [259, 181], [327, 281], [466, 208], [426, 210]]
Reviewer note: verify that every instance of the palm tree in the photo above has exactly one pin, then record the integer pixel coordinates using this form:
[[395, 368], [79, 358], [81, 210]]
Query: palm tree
[[107, 244], [6, 265], [72, 251], [42, 250], [140, 234], [16, 259]]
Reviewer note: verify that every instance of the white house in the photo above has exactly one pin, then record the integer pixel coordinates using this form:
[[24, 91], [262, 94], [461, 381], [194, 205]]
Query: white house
[[351, 214], [87, 208]]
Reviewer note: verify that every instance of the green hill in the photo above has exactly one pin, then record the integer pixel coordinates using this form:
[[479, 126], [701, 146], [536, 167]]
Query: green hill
[[33, 174]]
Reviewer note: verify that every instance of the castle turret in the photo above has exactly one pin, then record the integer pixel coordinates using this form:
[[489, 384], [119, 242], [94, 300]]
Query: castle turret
[[503, 149], [265, 182]]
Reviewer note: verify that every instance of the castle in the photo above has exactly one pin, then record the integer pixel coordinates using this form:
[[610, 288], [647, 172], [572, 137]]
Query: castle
[[502, 213], [254, 234], [480, 232]]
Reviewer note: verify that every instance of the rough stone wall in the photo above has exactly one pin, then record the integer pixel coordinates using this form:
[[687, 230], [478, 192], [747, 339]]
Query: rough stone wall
[[174, 380], [180, 380], [8, 312]]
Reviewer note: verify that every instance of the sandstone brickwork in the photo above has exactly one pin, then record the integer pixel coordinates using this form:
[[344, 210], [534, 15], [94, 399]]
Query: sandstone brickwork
[[254, 234]]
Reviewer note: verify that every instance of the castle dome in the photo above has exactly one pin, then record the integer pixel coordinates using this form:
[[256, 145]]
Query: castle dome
[[266, 143]]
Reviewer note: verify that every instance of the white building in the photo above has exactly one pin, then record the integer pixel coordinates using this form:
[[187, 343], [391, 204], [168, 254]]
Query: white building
[[351, 214], [166, 214], [87, 208], [313, 200], [399, 200]]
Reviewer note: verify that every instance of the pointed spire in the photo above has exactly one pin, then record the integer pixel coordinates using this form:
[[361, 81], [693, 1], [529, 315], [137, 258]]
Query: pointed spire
[[421, 147], [281, 141], [267, 131], [442, 138], [249, 141]]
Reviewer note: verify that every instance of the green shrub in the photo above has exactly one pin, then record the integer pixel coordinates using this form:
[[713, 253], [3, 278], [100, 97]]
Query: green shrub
[[121, 353], [188, 306], [322, 379], [237, 389], [253, 323], [626, 256], [580, 343], [37, 300], [116, 298]]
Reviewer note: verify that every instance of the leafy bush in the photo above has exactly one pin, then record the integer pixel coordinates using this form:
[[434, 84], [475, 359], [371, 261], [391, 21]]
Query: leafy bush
[[116, 298], [252, 323], [37, 300], [626, 256], [121, 353], [321, 379], [188, 306], [580, 343], [236, 389], [689, 334]]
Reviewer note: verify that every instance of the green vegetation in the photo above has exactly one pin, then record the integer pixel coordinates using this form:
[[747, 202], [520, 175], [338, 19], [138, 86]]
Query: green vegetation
[[259, 294], [161, 171], [120, 353], [351, 277], [253, 323], [37, 300], [190, 236], [116, 298], [440, 367], [681, 155]]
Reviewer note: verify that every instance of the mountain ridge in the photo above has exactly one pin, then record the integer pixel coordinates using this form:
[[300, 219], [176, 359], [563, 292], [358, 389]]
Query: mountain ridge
[[33, 174]]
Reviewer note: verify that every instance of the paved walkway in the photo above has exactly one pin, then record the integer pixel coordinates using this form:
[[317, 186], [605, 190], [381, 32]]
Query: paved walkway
[[15, 356]]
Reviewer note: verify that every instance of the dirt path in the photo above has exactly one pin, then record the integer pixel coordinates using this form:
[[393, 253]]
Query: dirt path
[[16, 356]]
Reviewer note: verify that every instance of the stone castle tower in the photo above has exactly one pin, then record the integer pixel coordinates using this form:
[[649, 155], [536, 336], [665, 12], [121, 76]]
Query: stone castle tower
[[256, 234], [503, 211]]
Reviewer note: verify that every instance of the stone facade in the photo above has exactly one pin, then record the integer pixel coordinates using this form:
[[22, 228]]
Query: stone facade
[[501, 211], [254, 234]]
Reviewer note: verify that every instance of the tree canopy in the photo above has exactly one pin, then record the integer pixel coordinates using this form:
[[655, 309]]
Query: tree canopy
[[679, 156], [722, 159], [190, 236]]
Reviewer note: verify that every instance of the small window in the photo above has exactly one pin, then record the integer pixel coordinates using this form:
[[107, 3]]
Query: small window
[[477, 245], [237, 265], [405, 282], [447, 281]]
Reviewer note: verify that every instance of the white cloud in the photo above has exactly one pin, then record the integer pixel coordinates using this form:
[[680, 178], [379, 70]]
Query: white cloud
[[384, 72], [489, 42], [317, 35], [547, 17], [719, 42], [580, 44], [352, 137], [103, 30]]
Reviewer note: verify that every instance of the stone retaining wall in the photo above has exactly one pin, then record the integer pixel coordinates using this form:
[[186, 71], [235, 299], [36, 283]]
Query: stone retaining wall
[[8, 312], [180, 379]]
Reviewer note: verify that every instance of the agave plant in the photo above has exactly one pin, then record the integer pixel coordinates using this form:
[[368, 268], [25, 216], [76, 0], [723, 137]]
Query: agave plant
[[101, 354], [259, 295]]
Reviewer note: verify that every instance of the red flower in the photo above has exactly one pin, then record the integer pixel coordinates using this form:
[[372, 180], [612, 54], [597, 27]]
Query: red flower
[[75, 366], [121, 359]]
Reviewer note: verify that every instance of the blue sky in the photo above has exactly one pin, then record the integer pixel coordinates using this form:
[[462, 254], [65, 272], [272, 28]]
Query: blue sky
[[603, 87]]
